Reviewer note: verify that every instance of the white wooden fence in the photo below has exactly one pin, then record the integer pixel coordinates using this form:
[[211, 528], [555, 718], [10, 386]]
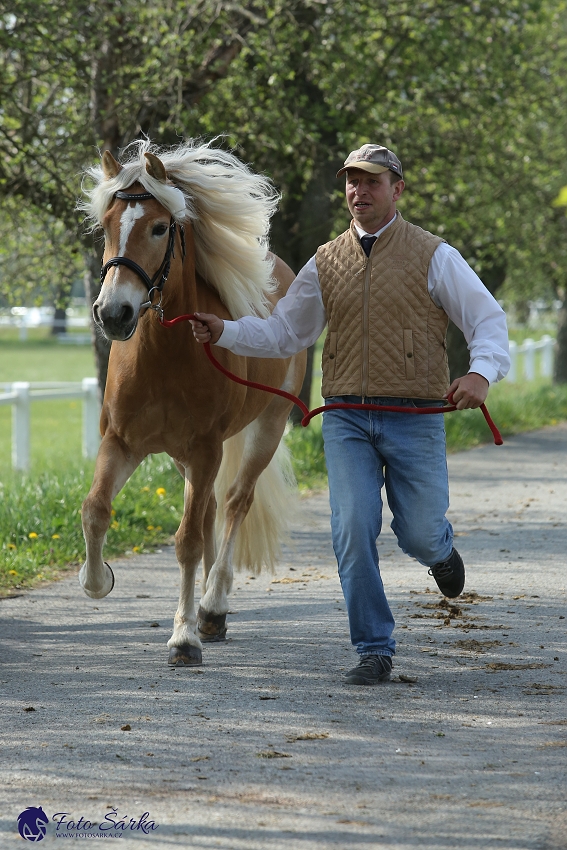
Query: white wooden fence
[[20, 395], [523, 361]]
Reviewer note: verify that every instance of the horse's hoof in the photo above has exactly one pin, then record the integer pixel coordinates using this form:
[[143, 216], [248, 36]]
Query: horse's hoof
[[107, 586], [185, 656], [211, 627]]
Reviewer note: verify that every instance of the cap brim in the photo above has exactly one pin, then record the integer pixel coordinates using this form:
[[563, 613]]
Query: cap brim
[[372, 167]]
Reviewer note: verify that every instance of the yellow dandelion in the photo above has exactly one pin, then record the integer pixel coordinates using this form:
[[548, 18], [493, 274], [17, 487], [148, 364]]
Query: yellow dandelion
[[136, 548], [158, 527], [145, 490], [115, 525], [11, 545], [32, 535], [160, 492], [55, 537], [150, 527], [39, 575], [12, 573], [112, 512]]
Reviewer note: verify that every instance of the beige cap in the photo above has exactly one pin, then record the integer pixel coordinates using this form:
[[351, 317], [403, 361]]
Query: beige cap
[[373, 158]]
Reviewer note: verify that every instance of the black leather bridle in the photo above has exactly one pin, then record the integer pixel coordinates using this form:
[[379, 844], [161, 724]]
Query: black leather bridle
[[155, 283]]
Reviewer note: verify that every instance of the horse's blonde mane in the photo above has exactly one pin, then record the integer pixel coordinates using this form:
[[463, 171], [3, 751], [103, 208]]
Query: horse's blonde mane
[[228, 206]]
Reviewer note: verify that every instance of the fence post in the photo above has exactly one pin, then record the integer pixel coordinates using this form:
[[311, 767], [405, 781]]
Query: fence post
[[529, 359], [547, 356], [91, 417], [21, 426], [512, 374]]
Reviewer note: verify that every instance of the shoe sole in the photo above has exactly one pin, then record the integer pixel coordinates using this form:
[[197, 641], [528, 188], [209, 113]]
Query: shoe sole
[[360, 680]]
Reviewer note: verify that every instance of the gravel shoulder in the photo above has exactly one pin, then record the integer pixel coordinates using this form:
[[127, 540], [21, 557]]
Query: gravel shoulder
[[264, 748]]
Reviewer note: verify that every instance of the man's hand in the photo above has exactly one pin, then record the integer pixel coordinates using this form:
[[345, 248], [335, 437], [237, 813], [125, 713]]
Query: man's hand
[[469, 391], [207, 327]]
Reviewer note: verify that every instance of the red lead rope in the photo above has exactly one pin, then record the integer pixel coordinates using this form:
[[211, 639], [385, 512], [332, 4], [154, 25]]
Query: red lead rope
[[309, 414]]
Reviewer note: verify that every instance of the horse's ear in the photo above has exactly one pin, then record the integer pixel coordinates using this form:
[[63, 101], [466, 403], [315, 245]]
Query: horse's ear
[[155, 167], [110, 167]]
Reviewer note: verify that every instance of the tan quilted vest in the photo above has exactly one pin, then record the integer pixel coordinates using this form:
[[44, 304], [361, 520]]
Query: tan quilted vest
[[385, 335]]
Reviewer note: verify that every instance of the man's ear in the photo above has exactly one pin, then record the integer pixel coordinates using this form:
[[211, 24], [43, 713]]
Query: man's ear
[[398, 189]]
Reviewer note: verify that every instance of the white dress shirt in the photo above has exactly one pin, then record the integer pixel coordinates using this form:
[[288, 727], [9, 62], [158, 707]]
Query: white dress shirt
[[299, 318]]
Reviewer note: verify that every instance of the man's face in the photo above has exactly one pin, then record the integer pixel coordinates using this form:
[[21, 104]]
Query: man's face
[[371, 198]]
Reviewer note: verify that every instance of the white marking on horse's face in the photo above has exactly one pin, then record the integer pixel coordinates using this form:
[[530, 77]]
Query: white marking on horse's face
[[118, 305], [127, 221]]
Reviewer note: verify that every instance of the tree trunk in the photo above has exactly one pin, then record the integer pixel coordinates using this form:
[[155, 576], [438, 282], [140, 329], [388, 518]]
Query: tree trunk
[[59, 325], [560, 368]]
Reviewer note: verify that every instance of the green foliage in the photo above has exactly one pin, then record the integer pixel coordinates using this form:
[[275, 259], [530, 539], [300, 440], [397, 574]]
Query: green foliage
[[308, 459], [40, 258], [471, 95]]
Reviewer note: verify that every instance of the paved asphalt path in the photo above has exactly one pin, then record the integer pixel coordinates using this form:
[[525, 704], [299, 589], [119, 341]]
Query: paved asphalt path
[[264, 748]]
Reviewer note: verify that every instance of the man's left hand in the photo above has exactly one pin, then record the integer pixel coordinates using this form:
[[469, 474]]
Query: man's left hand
[[469, 391]]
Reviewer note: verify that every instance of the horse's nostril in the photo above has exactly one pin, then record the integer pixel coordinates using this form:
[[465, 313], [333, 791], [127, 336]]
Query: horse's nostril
[[96, 314], [126, 315]]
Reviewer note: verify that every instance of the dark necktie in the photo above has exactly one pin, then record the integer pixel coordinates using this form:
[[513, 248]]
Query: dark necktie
[[367, 242]]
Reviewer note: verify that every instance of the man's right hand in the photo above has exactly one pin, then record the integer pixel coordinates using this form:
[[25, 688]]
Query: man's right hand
[[207, 327]]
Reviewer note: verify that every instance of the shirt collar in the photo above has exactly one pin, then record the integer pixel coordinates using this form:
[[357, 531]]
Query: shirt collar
[[362, 232]]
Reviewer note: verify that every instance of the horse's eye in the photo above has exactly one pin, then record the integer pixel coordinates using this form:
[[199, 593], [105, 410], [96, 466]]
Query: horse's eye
[[159, 230]]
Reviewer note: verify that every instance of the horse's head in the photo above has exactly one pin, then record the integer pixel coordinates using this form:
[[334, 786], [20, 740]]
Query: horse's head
[[142, 240]]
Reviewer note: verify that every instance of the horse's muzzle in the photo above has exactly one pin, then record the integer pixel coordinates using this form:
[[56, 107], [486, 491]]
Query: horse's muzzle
[[116, 323]]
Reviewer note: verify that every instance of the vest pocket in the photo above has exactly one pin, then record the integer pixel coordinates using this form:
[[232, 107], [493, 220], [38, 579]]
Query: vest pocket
[[409, 355], [332, 353]]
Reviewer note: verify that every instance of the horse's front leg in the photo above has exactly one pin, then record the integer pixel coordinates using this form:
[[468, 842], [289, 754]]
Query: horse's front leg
[[191, 542], [114, 466]]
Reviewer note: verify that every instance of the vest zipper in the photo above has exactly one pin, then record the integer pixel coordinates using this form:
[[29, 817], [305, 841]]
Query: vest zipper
[[365, 324]]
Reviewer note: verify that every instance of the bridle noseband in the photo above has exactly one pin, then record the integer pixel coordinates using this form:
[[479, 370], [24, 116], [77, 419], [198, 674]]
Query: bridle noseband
[[155, 283]]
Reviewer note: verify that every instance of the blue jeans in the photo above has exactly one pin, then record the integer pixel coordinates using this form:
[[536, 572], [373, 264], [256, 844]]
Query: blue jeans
[[364, 450]]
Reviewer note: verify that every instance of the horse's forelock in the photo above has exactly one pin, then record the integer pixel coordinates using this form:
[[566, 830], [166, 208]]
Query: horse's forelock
[[222, 195]]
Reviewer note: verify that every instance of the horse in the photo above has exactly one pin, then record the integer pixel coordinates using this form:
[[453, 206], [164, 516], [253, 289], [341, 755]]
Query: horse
[[189, 226]]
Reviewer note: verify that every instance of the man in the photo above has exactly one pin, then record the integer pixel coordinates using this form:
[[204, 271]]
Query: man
[[386, 289]]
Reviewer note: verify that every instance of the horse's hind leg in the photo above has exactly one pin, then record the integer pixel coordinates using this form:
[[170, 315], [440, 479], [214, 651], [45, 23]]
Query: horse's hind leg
[[210, 539], [114, 466], [262, 439]]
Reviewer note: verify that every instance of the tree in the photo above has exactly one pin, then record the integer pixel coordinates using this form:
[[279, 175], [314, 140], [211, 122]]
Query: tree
[[77, 76], [471, 96], [38, 256]]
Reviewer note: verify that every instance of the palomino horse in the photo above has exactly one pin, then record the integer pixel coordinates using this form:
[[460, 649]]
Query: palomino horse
[[189, 227]]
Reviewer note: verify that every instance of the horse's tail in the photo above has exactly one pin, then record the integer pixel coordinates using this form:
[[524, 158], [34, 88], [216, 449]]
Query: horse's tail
[[259, 539]]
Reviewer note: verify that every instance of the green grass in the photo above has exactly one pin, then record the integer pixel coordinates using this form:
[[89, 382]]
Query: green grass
[[42, 358], [55, 425], [40, 529], [40, 523]]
